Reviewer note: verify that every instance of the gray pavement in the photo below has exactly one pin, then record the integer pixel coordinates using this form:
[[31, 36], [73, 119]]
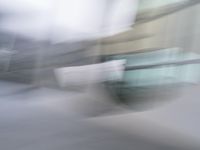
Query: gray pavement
[[46, 119]]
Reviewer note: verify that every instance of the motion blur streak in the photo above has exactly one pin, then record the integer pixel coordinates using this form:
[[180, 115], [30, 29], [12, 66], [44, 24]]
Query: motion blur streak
[[99, 74], [61, 20]]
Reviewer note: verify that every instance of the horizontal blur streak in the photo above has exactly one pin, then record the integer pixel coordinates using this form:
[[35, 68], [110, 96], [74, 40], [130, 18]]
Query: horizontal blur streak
[[64, 20], [90, 74], [106, 74]]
